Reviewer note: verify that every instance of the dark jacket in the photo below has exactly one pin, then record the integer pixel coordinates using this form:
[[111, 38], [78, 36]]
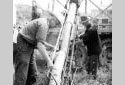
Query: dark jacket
[[92, 41]]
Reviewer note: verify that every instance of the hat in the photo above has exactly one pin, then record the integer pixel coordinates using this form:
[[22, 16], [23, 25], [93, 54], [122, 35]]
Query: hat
[[84, 18]]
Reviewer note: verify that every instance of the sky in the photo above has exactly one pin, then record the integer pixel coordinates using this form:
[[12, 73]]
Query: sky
[[44, 3], [58, 8]]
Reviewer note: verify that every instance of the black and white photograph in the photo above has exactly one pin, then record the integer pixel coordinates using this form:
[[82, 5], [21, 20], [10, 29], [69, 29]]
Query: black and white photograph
[[62, 42]]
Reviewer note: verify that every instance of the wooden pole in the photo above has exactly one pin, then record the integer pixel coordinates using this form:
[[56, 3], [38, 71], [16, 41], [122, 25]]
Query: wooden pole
[[14, 14], [34, 15], [53, 4], [86, 7], [59, 62]]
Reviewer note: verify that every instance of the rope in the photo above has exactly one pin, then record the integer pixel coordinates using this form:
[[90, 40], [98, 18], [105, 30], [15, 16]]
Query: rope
[[61, 4], [96, 15], [53, 78], [71, 54], [72, 51], [100, 9], [72, 57], [73, 76]]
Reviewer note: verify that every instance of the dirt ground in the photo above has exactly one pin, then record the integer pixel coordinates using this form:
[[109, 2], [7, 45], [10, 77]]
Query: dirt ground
[[104, 72], [104, 77]]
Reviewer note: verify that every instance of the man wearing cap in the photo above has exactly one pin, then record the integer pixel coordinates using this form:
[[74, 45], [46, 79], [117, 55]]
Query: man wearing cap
[[92, 41], [32, 36]]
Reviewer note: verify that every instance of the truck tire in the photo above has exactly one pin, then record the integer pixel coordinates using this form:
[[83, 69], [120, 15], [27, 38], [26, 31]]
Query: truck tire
[[106, 55]]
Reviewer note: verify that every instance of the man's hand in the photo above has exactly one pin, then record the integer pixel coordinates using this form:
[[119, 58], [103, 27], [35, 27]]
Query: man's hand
[[43, 52], [79, 41], [52, 48]]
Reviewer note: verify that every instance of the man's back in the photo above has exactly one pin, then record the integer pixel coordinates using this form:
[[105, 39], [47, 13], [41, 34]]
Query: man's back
[[35, 30], [91, 39]]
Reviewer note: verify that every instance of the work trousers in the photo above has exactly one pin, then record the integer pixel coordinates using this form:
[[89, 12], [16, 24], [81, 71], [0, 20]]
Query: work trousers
[[21, 58], [92, 65]]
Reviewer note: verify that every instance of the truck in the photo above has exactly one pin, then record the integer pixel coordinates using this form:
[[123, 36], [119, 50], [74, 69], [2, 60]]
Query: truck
[[105, 34]]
